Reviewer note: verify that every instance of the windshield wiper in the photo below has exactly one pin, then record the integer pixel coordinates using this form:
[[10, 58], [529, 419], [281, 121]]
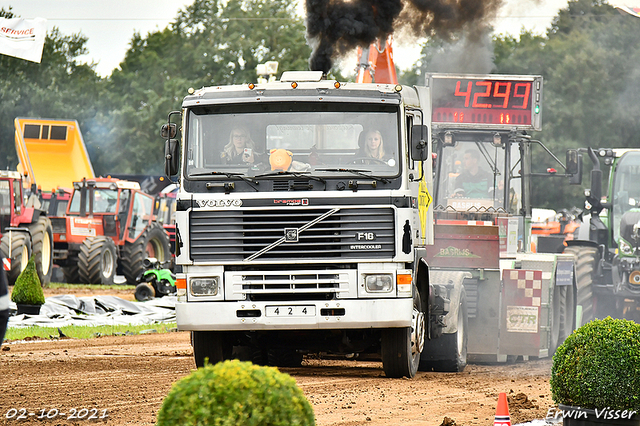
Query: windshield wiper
[[363, 173], [294, 174], [229, 175]]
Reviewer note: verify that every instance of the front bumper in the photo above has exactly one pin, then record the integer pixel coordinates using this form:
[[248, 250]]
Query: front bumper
[[324, 315]]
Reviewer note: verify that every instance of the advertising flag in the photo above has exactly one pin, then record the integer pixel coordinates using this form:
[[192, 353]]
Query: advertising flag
[[23, 38], [633, 11]]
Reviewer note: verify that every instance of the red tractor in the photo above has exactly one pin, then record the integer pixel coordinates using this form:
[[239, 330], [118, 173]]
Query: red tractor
[[109, 227], [25, 229]]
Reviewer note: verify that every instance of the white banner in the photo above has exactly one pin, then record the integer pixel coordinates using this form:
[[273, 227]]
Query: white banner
[[633, 11], [23, 38]]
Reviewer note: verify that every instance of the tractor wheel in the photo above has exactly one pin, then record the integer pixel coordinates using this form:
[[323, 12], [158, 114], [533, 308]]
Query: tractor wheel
[[154, 242], [70, 274], [402, 347], [563, 314], [448, 353], [19, 252], [585, 263], [214, 346], [97, 261], [42, 246]]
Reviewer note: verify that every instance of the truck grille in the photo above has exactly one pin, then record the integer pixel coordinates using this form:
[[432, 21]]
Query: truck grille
[[289, 285], [236, 235]]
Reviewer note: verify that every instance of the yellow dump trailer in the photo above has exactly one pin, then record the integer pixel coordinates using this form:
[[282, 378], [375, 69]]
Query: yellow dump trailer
[[51, 152]]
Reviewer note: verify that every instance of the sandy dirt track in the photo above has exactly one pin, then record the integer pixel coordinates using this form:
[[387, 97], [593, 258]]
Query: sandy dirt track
[[129, 376]]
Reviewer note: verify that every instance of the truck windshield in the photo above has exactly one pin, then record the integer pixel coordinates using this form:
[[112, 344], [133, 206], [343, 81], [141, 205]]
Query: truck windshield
[[472, 175], [295, 137]]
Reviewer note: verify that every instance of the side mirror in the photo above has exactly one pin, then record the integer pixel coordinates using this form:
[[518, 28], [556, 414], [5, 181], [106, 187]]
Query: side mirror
[[171, 157], [419, 139], [574, 166], [168, 131]]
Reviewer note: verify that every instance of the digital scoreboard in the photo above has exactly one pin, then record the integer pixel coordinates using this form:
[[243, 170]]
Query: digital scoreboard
[[491, 101]]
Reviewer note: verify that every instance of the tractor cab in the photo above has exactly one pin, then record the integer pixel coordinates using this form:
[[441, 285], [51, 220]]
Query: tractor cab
[[108, 227], [109, 207]]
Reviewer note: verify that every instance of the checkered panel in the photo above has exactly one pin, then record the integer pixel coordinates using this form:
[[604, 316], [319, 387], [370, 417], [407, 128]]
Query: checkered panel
[[529, 285]]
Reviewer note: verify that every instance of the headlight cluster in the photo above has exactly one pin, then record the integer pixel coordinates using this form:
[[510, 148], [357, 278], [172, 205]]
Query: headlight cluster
[[204, 286], [378, 283]]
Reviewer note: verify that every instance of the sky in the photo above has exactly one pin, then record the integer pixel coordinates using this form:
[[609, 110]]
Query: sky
[[110, 24]]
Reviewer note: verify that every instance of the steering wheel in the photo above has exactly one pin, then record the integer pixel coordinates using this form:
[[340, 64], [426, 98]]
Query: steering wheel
[[361, 160]]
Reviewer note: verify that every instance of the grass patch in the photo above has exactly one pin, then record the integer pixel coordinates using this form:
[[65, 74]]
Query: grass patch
[[84, 332], [90, 286]]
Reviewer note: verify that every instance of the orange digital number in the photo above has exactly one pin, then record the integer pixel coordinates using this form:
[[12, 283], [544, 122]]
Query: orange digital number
[[505, 94], [486, 94], [517, 93], [466, 94]]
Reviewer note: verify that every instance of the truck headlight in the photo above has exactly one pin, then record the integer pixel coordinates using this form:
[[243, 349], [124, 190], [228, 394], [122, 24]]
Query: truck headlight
[[204, 286], [625, 247], [378, 283]]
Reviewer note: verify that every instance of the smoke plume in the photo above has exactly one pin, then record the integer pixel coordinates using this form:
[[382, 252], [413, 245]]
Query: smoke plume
[[335, 27]]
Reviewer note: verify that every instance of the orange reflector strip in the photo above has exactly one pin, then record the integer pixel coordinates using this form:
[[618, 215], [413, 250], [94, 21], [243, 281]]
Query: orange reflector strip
[[181, 283], [403, 279]]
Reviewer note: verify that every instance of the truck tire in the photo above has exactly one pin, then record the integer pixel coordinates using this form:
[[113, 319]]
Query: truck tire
[[562, 315], [448, 353], [20, 250], [97, 261], [284, 357], [153, 242], [42, 247], [211, 346], [585, 261], [402, 347]]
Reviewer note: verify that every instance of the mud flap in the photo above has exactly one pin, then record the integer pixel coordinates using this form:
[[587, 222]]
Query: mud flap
[[452, 281]]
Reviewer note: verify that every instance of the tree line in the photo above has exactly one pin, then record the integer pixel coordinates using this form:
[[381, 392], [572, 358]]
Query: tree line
[[589, 58]]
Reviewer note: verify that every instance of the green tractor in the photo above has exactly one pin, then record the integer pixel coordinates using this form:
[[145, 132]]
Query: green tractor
[[607, 244]]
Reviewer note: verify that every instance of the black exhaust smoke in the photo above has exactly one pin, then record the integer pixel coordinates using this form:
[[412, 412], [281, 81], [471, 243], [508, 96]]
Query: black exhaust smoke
[[335, 27]]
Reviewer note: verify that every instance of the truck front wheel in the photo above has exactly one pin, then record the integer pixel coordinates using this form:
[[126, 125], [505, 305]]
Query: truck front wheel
[[401, 347], [448, 353], [213, 346]]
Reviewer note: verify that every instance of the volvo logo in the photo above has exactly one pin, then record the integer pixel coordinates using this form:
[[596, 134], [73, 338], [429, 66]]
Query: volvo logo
[[290, 235], [219, 203]]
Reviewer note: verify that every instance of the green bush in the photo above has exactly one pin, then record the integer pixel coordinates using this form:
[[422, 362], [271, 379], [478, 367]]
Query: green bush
[[235, 393], [598, 366], [27, 289]]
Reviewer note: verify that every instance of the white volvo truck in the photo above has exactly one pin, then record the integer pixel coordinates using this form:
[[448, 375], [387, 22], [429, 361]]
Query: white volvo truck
[[295, 232]]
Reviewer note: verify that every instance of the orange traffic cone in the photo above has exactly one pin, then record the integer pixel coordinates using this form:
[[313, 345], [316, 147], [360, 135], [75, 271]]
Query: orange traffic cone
[[502, 412]]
